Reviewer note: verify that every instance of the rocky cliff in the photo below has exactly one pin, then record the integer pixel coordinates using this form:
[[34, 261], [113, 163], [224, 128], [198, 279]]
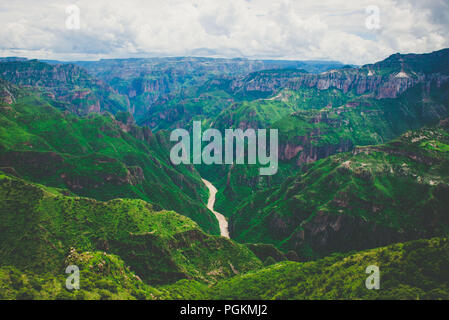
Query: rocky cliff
[[362, 81], [386, 79], [82, 93], [372, 196]]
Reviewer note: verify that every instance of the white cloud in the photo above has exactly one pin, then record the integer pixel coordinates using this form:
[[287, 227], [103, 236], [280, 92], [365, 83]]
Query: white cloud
[[290, 29]]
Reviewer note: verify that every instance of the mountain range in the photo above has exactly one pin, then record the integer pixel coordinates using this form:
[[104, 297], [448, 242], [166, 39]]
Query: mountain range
[[86, 179]]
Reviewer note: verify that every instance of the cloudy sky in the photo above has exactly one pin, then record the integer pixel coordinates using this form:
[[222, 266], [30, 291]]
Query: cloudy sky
[[350, 31]]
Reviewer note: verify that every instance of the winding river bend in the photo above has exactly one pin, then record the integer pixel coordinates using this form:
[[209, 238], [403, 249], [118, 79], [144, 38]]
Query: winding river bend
[[223, 223]]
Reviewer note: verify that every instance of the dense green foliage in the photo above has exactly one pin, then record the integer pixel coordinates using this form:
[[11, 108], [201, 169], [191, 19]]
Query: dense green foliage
[[40, 225], [370, 197], [364, 163], [102, 277], [98, 157], [412, 270], [314, 123]]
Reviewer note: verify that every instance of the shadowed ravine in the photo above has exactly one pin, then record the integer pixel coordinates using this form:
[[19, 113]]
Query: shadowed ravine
[[223, 223]]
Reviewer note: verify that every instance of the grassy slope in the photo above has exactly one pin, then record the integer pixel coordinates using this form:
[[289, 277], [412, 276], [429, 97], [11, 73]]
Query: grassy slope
[[41, 225], [374, 196], [324, 122], [93, 156], [102, 277], [412, 270], [302, 120]]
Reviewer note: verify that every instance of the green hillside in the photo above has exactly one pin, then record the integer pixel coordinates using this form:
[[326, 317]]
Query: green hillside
[[96, 156], [41, 225], [102, 277], [308, 134], [321, 115], [372, 196], [86, 179], [414, 270]]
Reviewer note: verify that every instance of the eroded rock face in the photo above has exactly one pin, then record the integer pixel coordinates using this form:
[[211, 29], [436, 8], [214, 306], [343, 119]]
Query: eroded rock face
[[7, 93], [385, 79], [358, 81], [289, 151], [67, 83], [304, 149], [314, 153], [135, 175], [373, 196]]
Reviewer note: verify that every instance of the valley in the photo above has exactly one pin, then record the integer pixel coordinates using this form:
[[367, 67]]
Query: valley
[[87, 178]]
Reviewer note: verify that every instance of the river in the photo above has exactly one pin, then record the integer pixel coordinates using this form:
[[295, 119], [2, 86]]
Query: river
[[223, 223]]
